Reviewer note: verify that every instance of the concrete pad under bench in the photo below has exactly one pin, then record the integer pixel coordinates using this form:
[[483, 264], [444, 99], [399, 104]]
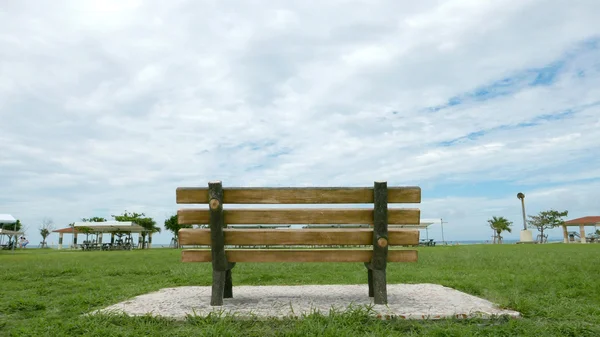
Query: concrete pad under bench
[[406, 301]]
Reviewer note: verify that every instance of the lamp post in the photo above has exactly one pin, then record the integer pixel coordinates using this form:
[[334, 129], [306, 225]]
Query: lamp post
[[526, 236], [522, 197], [442, 222]]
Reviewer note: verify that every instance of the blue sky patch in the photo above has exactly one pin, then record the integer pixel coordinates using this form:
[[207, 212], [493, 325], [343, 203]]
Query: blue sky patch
[[547, 75], [542, 76], [534, 122]]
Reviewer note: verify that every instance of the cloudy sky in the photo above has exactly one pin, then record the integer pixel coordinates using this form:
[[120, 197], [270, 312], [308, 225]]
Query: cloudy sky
[[108, 106]]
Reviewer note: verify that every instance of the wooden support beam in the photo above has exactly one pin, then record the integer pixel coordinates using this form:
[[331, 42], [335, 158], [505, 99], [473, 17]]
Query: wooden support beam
[[228, 291], [298, 255], [218, 287], [370, 281], [219, 260], [380, 240], [192, 216], [298, 195], [357, 236]]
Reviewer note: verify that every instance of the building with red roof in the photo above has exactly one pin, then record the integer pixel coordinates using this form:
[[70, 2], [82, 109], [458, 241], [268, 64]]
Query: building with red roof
[[581, 223]]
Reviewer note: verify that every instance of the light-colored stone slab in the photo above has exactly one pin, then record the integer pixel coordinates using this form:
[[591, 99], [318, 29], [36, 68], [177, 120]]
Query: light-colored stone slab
[[408, 301]]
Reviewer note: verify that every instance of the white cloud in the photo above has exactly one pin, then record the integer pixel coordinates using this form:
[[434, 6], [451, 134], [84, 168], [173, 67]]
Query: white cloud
[[107, 106]]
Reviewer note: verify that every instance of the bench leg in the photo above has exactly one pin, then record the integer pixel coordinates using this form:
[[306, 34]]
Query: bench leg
[[218, 287], [370, 277], [379, 286], [228, 292]]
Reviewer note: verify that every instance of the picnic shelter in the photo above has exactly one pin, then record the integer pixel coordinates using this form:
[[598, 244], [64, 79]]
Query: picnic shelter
[[593, 221], [7, 219], [122, 230]]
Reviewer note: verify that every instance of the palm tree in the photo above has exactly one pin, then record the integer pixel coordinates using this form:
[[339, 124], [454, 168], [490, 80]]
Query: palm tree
[[499, 225], [44, 232]]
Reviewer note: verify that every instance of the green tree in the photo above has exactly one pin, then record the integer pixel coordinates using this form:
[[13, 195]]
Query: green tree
[[88, 230], [139, 219], [17, 226], [85, 230], [546, 220], [499, 225], [45, 230], [94, 219], [172, 224]]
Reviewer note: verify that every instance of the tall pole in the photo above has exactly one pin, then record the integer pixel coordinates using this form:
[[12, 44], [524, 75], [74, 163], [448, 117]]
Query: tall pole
[[522, 197], [442, 222], [526, 236]]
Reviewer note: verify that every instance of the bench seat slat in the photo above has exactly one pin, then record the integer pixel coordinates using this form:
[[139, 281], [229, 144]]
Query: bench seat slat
[[194, 216], [298, 195], [298, 255], [358, 236]]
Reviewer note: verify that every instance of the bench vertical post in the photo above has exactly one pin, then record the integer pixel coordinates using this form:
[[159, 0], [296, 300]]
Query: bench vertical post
[[219, 260], [380, 242], [228, 291], [370, 280]]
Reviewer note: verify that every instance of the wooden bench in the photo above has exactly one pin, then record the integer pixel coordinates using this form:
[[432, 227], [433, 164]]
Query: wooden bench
[[222, 240]]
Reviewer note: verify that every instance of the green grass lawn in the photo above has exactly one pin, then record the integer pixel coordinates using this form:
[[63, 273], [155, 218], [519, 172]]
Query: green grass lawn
[[555, 286]]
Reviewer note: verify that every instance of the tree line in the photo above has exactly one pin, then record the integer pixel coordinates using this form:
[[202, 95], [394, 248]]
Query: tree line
[[47, 225], [542, 221]]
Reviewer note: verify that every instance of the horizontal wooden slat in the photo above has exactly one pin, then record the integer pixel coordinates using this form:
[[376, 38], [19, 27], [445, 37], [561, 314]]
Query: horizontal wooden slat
[[358, 236], [298, 195], [299, 216], [298, 255]]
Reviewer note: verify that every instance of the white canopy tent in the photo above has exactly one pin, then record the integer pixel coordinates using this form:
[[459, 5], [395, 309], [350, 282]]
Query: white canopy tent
[[7, 219], [425, 223], [111, 226]]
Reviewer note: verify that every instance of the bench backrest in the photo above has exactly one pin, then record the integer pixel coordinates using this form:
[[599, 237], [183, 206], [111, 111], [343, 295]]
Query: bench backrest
[[377, 217]]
